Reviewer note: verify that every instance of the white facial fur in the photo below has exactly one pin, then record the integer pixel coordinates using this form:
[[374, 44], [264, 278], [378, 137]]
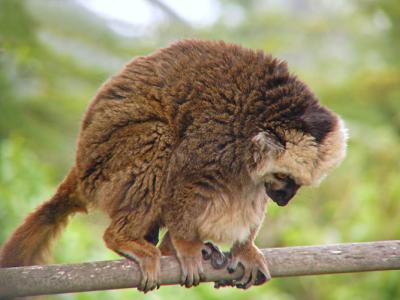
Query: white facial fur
[[306, 161]]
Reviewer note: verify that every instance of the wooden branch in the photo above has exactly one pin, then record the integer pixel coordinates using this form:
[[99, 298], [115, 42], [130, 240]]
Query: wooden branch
[[291, 261]]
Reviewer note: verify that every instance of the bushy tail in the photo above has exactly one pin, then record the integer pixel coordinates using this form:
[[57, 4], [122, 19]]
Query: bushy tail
[[29, 243]]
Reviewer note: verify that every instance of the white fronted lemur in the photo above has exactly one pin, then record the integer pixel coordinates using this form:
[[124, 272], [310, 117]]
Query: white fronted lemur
[[194, 138]]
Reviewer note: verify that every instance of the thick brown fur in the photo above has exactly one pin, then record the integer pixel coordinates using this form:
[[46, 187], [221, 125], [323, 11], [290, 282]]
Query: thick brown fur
[[186, 139]]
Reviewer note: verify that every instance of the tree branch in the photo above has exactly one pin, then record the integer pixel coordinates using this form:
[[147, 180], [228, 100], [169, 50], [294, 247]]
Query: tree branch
[[291, 261]]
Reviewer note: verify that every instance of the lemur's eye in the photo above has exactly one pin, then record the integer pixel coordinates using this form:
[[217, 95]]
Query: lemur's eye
[[280, 176]]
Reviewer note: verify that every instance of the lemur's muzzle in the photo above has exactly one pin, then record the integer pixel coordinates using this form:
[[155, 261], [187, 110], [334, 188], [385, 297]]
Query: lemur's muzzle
[[283, 195]]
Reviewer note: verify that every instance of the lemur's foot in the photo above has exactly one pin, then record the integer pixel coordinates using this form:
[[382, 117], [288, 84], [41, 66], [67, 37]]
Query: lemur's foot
[[149, 267], [192, 271], [254, 265], [215, 255], [189, 255], [150, 275]]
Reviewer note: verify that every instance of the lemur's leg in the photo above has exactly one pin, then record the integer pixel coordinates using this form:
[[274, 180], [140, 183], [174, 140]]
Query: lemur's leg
[[127, 236]]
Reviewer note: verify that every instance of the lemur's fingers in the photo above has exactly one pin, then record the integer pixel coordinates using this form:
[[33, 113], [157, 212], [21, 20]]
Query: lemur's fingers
[[216, 256], [190, 257], [192, 271], [255, 269], [245, 281], [223, 283], [233, 264], [150, 269], [149, 265], [207, 251], [148, 282], [262, 276]]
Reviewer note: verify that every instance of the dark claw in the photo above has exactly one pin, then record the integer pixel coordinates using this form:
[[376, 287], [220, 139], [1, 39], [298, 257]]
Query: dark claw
[[223, 283], [243, 283], [186, 283], [241, 286], [260, 279]]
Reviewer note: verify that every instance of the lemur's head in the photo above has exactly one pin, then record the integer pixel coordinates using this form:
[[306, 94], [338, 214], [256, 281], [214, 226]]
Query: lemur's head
[[302, 149]]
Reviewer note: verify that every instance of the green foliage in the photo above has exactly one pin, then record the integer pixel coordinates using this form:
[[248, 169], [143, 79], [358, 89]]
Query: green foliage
[[54, 55], [23, 179]]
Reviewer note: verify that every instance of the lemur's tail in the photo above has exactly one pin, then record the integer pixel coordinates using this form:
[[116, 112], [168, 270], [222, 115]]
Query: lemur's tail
[[30, 242]]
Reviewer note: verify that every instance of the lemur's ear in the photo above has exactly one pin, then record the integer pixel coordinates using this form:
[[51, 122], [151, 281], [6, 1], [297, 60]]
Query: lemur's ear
[[265, 144], [318, 121]]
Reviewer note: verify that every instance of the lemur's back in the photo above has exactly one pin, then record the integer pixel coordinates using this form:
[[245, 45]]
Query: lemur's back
[[209, 93]]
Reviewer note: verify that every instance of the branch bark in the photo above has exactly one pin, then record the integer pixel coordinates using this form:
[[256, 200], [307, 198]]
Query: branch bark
[[290, 261]]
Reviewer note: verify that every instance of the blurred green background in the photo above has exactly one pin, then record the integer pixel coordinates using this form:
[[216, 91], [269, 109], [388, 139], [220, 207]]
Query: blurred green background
[[54, 55]]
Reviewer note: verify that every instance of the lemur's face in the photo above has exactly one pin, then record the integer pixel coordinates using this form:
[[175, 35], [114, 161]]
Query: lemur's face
[[302, 161]]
